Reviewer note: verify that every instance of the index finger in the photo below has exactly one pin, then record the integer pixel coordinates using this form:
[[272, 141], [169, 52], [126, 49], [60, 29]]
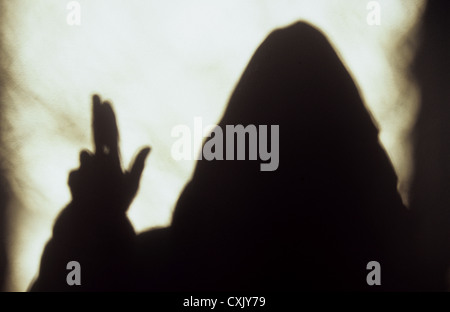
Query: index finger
[[106, 133]]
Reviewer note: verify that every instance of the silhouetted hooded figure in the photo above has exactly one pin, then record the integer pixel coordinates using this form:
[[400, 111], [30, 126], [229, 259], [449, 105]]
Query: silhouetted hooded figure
[[316, 221]]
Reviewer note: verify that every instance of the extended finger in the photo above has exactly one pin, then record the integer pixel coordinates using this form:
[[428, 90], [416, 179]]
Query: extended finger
[[111, 135], [106, 134], [96, 124], [136, 169]]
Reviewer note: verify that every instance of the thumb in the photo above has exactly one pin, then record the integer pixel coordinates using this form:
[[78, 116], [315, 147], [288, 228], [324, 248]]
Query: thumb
[[136, 168]]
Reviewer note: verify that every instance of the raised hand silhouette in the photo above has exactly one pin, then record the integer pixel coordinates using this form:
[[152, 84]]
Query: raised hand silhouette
[[94, 229], [100, 180]]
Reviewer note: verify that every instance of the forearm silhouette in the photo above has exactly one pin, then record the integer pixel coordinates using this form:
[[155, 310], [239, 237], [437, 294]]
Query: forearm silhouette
[[94, 229]]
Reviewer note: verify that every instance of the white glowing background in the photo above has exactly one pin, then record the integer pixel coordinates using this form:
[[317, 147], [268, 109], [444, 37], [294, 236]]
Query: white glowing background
[[162, 63]]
